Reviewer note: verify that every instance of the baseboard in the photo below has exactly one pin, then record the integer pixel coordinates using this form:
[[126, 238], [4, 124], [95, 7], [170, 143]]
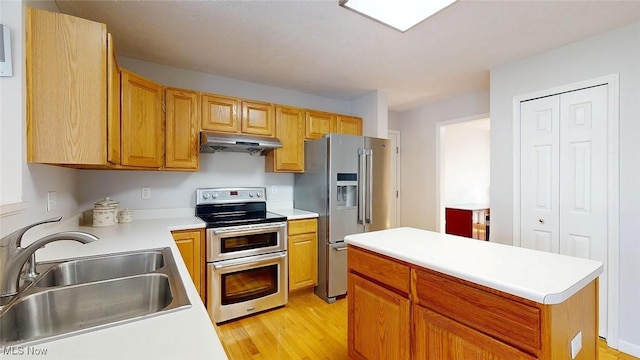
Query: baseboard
[[629, 348]]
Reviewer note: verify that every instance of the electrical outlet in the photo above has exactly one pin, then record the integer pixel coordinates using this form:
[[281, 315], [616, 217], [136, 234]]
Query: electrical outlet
[[274, 190], [51, 201], [576, 345], [145, 193]]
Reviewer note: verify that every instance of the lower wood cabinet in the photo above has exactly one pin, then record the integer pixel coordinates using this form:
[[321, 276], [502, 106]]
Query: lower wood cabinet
[[380, 327], [456, 319], [443, 338], [303, 253], [191, 246]]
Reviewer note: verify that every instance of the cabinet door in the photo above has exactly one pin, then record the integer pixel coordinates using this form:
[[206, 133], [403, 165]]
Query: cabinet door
[[379, 322], [191, 246], [66, 62], [181, 124], [290, 131], [303, 261], [348, 125], [318, 123], [258, 118], [219, 113], [142, 132], [438, 337]]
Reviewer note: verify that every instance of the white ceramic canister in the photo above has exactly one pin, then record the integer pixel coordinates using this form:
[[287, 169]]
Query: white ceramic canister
[[125, 215], [105, 212]]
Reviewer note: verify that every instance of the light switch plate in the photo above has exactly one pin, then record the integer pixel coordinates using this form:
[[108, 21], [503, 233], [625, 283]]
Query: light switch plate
[[52, 201], [145, 193], [576, 345]]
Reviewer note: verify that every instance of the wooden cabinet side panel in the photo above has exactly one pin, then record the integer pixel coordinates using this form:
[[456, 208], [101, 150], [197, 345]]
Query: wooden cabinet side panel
[[113, 105], [191, 246], [181, 124], [317, 124], [258, 118], [219, 113], [438, 337], [66, 89], [290, 131], [379, 321], [142, 127], [563, 321]]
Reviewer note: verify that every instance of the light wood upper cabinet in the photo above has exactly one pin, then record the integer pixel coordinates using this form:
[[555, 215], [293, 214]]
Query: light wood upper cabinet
[[318, 123], [290, 131], [182, 117], [220, 113], [302, 253], [348, 125], [258, 118], [141, 121], [66, 64], [191, 246]]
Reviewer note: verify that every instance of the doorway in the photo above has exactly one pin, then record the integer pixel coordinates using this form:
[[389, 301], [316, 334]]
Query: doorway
[[394, 214], [463, 147]]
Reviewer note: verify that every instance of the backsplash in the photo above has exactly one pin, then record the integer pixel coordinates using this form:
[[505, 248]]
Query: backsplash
[[170, 190]]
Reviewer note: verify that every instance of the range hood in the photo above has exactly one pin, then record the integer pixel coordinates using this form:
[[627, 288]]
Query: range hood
[[211, 142]]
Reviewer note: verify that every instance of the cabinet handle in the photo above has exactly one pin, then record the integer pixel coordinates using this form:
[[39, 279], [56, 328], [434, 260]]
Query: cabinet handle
[[541, 221]]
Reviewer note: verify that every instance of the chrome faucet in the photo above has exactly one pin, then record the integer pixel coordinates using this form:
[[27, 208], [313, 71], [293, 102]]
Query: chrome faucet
[[13, 257]]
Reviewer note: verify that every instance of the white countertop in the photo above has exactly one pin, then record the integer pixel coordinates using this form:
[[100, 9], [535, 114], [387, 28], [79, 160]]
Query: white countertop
[[183, 334], [295, 214], [543, 277]]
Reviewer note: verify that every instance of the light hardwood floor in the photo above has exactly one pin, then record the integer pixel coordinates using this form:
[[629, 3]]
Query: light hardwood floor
[[307, 328]]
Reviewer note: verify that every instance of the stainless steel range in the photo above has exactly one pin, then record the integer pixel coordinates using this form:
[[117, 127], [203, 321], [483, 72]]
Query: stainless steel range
[[246, 252]]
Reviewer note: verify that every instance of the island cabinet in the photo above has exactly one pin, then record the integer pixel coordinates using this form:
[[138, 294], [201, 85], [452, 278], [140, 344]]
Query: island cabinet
[[420, 313], [379, 319], [302, 253], [190, 243], [233, 115], [182, 122], [290, 131]]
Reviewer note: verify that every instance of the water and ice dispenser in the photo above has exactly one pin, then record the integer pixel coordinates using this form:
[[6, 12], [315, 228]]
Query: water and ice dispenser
[[347, 190]]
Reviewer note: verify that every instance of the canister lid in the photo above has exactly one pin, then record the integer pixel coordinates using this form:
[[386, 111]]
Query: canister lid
[[106, 203]]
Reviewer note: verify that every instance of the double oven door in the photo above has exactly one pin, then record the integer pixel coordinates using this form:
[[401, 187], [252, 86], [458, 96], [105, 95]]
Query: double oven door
[[246, 269]]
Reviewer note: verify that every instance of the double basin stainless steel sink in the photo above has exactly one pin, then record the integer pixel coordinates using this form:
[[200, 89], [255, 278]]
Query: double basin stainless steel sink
[[84, 294]]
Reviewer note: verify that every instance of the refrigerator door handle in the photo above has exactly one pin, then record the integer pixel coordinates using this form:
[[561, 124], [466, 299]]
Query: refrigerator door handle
[[369, 208], [361, 185]]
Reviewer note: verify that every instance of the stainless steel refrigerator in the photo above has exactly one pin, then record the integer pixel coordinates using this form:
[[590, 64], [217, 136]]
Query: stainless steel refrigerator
[[347, 182]]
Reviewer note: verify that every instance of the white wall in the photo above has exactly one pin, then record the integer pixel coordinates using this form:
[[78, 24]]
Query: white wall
[[465, 161], [615, 51], [418, 128], [394, 120], [35, 180], [373, 110]]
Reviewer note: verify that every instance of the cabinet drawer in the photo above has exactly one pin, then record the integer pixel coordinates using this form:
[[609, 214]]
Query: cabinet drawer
[[385, 271], [513, 322], [302, 226]]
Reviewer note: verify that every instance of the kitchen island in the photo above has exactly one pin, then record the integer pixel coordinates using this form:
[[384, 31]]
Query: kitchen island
[[438, 296], [182, 334]]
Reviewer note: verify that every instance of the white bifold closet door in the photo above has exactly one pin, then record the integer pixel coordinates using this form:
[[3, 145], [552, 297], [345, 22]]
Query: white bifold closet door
[[564, 177]]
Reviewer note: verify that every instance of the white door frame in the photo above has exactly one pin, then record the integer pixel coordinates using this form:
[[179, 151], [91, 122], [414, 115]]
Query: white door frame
[[613, 188], [440, 166], [396, 156]]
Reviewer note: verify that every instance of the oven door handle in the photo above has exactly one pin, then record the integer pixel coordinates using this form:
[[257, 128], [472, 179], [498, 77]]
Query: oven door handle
[[249, 260], [249, 230]]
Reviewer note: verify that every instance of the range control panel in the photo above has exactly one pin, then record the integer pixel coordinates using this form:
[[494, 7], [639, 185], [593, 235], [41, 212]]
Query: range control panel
[[230, 195]]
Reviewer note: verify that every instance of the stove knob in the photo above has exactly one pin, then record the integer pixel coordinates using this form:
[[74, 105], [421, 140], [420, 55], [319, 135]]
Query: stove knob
[[258, 194], [214, 195], [250, 194], [205, 195]]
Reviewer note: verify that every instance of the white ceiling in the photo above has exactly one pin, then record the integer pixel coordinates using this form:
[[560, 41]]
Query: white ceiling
[[318, 47]]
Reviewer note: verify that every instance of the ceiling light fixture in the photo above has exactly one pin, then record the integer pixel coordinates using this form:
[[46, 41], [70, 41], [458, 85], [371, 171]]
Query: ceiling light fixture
[[399, 14]]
